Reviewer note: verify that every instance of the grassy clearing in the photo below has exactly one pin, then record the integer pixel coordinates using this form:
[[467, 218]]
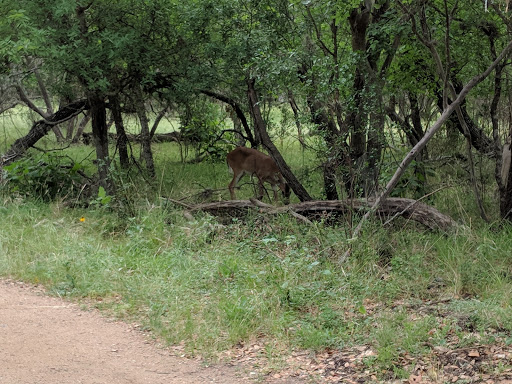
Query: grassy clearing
[[212, 286]]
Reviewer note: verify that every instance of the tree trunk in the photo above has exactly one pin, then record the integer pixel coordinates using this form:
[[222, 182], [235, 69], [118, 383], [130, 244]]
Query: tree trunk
[[100, 138], [506, 196], [413, 133], [159, 118], [409, 209], [296, 116], [359, 20], [239, 113], [146, 153], [81, 128], [48, 103], [122, 139], [237, 126], [330, 181], [337, 148], [70, 129], [428, 135], [375, 146], [479, 140], [292, 181], [503, 170], [29, 103], [255, 112]]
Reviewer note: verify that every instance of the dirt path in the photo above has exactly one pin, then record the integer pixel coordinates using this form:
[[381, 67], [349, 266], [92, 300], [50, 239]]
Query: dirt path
[[47, 340]]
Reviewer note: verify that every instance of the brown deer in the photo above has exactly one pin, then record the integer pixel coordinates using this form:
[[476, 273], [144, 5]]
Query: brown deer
[[247, 161]]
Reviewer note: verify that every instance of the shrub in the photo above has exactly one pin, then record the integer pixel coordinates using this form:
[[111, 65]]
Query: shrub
[[44, 177]]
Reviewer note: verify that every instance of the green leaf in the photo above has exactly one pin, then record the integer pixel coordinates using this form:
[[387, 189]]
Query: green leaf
[[101, 192]]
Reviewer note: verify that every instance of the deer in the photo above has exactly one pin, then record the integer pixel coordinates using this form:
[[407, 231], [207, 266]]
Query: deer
[[247, 161]]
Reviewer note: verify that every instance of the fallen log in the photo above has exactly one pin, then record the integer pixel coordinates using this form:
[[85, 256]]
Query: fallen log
[[175, 136], [409, 209]]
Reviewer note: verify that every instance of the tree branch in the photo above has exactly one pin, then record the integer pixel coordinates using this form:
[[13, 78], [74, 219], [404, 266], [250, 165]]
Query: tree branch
[[239, 113], [44, 92], [159, 117], [40, 129], [24, 97]]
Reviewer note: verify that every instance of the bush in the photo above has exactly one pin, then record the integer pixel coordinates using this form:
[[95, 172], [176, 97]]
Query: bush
[[44, 177]]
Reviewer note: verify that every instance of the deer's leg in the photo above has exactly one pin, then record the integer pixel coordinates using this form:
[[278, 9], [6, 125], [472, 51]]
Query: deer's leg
[[285, 189], [261, 190], [234, 182], [275, 187]]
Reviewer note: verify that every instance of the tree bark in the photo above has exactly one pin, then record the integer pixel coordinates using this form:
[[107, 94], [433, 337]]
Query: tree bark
[[359, 20], [239, 113], [503, 171], [374, 146], [506, 197], [81, 128], [479, 140], [338, 149], [296, 115], [159, 118], [237, 126], [393, 207], [25, 98], [255, 112], [413, 129], [44, 92], [451, 85]]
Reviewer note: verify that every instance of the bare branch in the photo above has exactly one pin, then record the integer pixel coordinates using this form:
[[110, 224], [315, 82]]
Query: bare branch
[[44, 92], [7, 107], [24, 97]]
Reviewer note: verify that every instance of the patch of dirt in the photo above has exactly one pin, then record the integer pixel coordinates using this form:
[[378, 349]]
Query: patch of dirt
[[47, 340]]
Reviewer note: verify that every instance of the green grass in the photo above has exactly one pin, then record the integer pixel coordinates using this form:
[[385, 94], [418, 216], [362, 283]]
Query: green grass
[[212, 284]]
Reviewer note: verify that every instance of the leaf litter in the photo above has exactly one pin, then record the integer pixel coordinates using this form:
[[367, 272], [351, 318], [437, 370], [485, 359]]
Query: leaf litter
[[486, 356]]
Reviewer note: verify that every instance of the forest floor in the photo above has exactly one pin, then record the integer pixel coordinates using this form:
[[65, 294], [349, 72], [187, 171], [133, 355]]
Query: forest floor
[[49, 340]]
